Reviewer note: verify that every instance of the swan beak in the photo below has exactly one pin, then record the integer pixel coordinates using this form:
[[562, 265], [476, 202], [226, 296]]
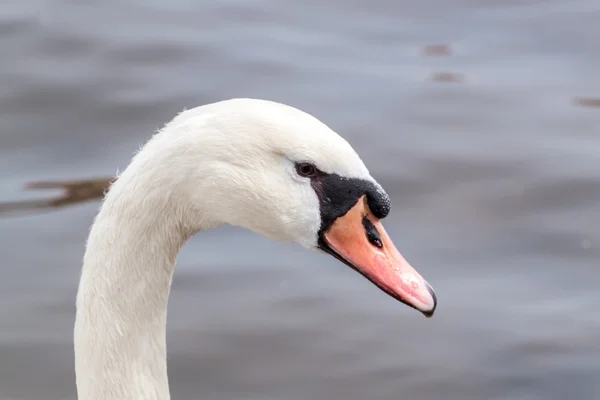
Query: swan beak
[[359, 240]]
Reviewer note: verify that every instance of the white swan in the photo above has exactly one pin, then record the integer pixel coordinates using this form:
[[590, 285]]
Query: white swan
[[257, 164]]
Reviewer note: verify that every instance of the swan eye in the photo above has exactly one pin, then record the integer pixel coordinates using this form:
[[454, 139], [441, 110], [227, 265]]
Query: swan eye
[[306, 169]]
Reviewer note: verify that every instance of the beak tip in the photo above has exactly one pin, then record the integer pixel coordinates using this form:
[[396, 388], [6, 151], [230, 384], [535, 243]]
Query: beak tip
[[429, 313]]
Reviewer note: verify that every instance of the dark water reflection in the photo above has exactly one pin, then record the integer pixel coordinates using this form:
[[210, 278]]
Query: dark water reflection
[[494, 180]]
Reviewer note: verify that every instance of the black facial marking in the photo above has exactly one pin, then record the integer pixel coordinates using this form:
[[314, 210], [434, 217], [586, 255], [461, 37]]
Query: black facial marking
[[337, 195]]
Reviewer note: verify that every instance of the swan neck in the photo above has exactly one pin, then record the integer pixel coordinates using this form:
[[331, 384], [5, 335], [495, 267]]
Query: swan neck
[[119, 336]]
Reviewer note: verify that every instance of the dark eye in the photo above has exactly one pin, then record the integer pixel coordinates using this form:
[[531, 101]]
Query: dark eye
[[306, 169]]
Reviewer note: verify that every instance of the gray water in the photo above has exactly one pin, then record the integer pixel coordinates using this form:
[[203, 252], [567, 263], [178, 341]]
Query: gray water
[[495, 183]]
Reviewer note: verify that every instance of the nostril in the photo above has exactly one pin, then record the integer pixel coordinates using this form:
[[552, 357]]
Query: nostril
[[374, 241], [372, 234]]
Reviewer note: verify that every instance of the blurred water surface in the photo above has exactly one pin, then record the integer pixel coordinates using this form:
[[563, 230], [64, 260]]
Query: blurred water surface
[[494, 179]]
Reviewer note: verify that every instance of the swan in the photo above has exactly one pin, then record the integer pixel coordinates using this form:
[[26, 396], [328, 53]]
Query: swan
[[257, 164]]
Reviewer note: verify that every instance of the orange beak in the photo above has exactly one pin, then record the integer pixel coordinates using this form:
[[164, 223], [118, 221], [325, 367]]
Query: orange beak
[[359, 240]]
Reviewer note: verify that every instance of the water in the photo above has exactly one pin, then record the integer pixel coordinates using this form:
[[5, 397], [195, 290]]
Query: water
[[494, 180]]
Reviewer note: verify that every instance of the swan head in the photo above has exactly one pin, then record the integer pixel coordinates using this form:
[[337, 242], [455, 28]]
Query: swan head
[[284, 174]]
